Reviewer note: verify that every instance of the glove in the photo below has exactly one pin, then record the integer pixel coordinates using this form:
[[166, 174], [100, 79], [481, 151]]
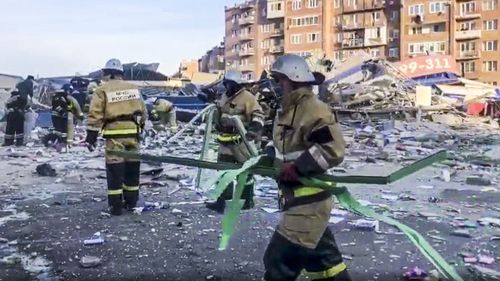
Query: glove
[[289, 173], [251, 136], [91, 139]]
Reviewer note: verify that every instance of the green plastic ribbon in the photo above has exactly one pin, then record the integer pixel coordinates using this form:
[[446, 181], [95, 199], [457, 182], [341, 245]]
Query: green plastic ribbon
[[234, 206]]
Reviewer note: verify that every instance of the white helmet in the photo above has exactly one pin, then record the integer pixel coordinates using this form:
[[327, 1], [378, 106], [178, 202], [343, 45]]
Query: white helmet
[[294, 67], [113, 64], [233, 75]]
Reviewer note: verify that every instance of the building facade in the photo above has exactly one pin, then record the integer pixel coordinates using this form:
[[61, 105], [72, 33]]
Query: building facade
[[258, 31], [254, 36], [464, 29], [213, 60]]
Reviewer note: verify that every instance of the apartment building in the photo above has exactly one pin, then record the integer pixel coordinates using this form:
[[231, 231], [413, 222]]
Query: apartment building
[[304, 21], [213, 60], [254, 36], [464, 29], [368, 25]]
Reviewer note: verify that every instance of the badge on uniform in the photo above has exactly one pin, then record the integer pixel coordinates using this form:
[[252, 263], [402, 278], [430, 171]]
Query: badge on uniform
[[123, 95]]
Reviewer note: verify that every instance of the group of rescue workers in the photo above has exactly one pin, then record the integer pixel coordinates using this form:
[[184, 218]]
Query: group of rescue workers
[[306, 141]]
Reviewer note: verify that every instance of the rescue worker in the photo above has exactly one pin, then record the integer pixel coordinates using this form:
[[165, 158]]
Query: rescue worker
[[117, 108], [60, 113], [237, 101], [307, 142], [26, 87], [74, 110], [15, 106], [163, 116]]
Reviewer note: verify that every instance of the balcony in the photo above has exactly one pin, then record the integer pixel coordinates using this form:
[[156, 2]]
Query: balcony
[[277, 49], [246, 37], [275, 9], [373, 5], [467, 34], [352, 43], [375, 42], [246, 52], [247, 68], [463, 15], [277, 33], [352, 26], [247, 5], [468, 55], [247, 21]]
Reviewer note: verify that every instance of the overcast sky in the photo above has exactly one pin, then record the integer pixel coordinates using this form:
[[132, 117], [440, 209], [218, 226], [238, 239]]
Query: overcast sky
[[62, 37]]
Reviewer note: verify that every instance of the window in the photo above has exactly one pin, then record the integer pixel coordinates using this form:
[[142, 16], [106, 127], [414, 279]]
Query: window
[[336, 56], [303, 21], [489, 5], [296, 4], [436, 7], [266, 60], [490, 24], [490, 45], [375, 16], [467, 8], [336, 4], [393, 52], [438, 27], [265, 44], [295, 38], [312, 3], [275, 7], [313, 37], [490, 66], [338, 20], [467, 67], [394, 15], [375, 53], [352, 3], [467, 47], [395, 33], [339, 37], [416, 30], [427, 47], [265, 28], [417, 9], [469, 25]]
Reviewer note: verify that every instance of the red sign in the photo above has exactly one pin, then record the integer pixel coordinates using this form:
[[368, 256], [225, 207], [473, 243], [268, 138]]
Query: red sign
[[428, 65]]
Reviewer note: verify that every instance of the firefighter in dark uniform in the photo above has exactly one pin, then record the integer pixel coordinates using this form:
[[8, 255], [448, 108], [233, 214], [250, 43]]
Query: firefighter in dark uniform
[[26, 87], [307, 141], [117, 108], [237, 101], [62, 112], [15, 107]]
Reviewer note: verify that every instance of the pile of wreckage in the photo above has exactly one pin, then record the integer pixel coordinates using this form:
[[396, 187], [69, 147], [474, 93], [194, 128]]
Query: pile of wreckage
[[364, 85]]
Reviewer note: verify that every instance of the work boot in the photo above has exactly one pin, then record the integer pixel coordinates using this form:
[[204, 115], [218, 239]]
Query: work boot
[[217, 206], [19, 141], [115, 211]]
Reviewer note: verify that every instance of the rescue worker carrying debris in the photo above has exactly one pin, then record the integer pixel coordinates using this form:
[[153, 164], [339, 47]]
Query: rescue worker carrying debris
[[163, 116], [64, 109], [307, 142], [239, 102], [117, 108], [15, 106]]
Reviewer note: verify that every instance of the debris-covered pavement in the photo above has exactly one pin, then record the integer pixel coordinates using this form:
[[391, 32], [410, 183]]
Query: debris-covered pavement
[[54, 224]]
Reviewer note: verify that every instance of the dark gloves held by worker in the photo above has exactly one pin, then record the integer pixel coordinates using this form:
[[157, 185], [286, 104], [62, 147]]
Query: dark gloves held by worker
[[289, 173], [91, 139], [254, 131]]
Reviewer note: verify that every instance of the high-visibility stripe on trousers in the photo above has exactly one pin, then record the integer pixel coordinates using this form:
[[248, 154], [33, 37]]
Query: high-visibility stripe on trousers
[[122, 174]]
